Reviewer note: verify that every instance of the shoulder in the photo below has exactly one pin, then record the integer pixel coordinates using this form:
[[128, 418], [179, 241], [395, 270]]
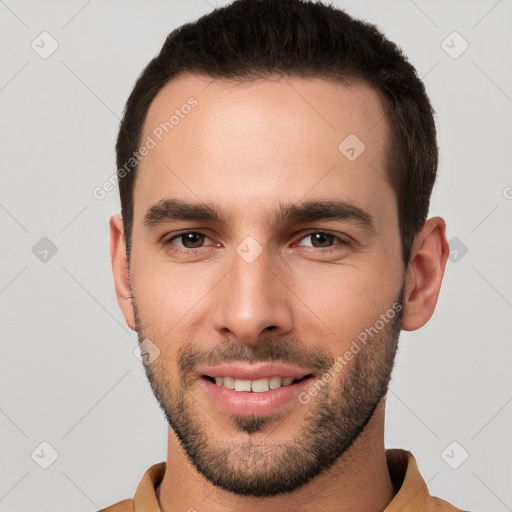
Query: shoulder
[[439, 505], [412, 493], [145, 493], [121, 506]]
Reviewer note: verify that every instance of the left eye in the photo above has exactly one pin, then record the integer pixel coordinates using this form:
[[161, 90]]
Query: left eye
[[320, 239]]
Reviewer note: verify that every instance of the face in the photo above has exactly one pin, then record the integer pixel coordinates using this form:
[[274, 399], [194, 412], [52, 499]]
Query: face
[[266, 237]]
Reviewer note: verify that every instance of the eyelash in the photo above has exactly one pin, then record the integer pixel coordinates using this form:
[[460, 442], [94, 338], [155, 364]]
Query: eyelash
[[168, 243]]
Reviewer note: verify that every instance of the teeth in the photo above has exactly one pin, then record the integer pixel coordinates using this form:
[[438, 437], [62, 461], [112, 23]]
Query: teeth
[[242, 385], [260, 385], [227, 382], [256, 386], [275, 382]]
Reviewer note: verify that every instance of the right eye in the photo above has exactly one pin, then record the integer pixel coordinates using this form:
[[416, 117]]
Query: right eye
[[189, 242]]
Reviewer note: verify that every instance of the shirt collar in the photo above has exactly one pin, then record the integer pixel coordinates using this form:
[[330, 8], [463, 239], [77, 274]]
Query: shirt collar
[[410, 488], [411, 492]]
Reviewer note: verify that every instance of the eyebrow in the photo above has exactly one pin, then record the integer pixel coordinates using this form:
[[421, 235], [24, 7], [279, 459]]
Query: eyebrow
[[172, 209]]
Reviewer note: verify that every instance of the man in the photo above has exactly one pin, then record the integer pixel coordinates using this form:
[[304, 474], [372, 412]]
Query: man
[[276, 162]]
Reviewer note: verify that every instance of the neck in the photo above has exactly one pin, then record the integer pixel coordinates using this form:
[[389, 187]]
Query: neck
[[358, 482]]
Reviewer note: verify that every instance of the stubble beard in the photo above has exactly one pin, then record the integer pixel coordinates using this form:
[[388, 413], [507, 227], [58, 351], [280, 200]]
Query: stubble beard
[[252, 464]]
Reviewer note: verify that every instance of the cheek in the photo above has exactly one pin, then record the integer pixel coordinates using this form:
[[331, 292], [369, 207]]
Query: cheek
[[344, 301], [167, 293]]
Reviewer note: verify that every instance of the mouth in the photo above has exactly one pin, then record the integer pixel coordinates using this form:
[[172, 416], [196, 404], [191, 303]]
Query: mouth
[[259, 397], [261, 385]]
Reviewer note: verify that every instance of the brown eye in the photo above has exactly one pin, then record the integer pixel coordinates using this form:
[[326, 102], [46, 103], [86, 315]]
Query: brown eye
[[192, 240], [189, 240], [321, 239]]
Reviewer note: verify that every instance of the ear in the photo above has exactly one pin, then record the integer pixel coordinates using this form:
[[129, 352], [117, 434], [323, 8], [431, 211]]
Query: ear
[[425, 271], [120, 269]]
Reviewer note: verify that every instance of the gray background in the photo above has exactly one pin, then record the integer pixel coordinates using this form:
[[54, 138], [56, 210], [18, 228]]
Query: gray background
[[68, 374]]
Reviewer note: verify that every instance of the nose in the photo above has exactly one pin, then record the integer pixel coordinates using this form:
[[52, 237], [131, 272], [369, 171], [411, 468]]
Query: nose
[[252, 301]]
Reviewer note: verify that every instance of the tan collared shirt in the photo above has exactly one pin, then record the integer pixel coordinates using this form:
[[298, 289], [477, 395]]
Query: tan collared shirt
[[412, 495]]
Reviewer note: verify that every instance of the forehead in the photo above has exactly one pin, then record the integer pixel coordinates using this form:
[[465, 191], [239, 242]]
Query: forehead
[[247, 145], [316, 106]]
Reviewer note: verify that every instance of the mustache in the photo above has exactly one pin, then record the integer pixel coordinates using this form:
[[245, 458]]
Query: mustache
[[268, 350]]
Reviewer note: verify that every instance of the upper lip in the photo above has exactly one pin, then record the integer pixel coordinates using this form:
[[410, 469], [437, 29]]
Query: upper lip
[[253, 371]]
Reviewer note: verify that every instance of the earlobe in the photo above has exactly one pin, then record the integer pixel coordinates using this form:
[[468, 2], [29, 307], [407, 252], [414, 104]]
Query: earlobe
[[424, 274], [120, 269]]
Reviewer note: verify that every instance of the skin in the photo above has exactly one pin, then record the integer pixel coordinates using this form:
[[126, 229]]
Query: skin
[[245, 149]]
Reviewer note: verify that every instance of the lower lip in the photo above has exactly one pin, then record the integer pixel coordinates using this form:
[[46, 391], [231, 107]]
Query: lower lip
[[245, 403]]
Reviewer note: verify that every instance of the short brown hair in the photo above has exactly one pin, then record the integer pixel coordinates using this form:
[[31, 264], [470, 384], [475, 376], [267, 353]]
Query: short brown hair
[[253, 39]]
